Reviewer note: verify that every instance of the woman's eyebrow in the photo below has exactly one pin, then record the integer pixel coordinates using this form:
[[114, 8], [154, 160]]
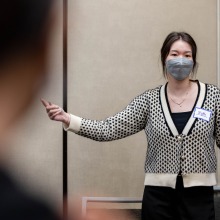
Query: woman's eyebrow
[[188, 51]]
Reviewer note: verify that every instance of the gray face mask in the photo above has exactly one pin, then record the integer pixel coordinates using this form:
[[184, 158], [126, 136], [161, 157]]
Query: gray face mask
[[179, 68]]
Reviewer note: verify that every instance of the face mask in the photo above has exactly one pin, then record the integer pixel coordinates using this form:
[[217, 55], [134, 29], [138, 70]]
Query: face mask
[[179, 68]]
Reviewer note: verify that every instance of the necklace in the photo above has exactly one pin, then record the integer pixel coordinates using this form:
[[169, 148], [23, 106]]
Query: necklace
[[180, 103]]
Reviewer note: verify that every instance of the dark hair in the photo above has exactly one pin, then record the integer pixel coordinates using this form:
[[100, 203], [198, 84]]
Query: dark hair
[[170, 39], [21, 24]]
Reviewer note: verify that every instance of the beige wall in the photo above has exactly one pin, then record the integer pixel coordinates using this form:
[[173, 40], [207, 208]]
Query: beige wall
[[114, 51], [113, 55]]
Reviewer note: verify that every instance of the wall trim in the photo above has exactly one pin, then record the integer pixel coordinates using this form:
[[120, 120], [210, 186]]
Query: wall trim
[[65, 69]]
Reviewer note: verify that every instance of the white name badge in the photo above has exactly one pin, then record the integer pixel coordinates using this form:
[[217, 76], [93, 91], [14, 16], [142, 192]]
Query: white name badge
[[202, 114]]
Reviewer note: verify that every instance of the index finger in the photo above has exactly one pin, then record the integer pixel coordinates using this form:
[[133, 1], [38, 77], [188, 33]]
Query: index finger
[[44, 102]]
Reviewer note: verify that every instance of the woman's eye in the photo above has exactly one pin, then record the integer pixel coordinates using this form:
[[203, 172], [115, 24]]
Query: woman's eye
[[174, 54], [188, 56]]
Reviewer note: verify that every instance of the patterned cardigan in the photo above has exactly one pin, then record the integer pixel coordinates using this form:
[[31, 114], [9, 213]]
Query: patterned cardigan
[[192, 152]]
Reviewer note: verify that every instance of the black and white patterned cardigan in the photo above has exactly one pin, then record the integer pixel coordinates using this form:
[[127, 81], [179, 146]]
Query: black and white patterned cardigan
[[168, 152]]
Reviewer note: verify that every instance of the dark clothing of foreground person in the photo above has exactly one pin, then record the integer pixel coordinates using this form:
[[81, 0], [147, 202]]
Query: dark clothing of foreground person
[[15, 204]]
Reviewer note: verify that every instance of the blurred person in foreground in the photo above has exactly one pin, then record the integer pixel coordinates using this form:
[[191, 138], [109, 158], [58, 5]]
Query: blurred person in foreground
[[25, 26]]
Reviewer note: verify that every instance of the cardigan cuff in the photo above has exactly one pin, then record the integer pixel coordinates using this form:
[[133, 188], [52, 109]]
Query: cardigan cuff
[[75, 124]]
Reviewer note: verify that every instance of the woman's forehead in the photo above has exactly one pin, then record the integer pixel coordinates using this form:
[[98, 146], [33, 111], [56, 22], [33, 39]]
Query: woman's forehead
[[181, 45]]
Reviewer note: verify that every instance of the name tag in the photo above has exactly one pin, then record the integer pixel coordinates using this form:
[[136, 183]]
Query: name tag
[[202, 114]]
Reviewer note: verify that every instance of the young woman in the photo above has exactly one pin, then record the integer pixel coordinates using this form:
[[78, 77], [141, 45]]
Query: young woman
[[181, 120]]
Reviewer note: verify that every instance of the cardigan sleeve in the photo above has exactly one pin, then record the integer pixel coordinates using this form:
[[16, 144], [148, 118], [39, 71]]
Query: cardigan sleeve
[[125, 123], [217, 119]]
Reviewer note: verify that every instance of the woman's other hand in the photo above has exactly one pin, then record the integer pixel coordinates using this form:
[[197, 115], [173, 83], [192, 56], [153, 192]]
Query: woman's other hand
[[56, 113]]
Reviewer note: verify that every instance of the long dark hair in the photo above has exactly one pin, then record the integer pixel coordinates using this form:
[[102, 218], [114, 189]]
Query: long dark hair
[[170, 39]]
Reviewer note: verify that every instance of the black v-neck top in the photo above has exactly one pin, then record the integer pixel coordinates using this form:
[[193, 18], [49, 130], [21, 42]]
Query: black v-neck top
[[180, 119]]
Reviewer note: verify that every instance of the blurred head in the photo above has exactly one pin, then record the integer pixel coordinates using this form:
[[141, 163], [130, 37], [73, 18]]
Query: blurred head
[[25, 26], [178, 44]]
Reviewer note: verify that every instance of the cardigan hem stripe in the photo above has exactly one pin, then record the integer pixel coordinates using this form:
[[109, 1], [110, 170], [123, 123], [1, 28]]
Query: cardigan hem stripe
[[189, 180]]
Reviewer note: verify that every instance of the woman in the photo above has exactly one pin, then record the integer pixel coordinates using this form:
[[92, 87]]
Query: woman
[[181, 121]]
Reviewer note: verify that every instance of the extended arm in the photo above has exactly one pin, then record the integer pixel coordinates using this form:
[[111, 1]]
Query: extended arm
[[125, 123]]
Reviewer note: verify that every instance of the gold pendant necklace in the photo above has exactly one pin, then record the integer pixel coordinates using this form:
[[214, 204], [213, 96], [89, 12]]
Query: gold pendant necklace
[[180, 103]]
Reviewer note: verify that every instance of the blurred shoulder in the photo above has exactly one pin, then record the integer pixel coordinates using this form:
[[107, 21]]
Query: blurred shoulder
[[24, 205]]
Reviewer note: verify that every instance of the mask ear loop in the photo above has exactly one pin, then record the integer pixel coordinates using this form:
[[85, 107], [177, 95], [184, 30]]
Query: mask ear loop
[[195, 71], [191, 76], [165, 72]]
